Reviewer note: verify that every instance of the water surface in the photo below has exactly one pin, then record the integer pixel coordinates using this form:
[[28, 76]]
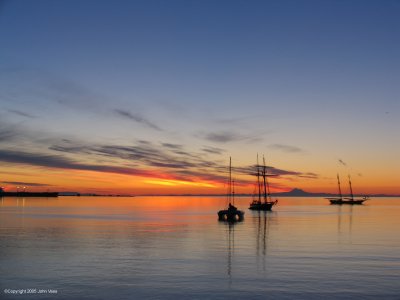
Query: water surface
[[174, 248]]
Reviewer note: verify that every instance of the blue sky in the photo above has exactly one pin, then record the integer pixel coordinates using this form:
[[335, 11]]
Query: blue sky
[[307, 82]]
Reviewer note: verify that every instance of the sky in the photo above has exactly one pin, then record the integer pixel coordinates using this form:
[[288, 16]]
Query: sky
[[153, 97]]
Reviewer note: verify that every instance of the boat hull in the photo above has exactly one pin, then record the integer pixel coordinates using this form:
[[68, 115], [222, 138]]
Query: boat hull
[[228, 215], [351, 202], [262, 206]]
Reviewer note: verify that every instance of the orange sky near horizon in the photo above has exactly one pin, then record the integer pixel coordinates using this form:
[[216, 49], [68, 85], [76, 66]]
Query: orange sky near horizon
[[156, 99], [62, 180]]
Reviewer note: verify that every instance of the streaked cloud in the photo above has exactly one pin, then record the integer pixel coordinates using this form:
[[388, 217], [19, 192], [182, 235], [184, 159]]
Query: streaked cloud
[[159, 160], [6, 135], [274, 172], [222, 137], [171, 171], [227, 137], [286, 148], [136, 118], [342, 162], [69, 149], [56, 161], [19, 84], [213, 150], [8, 132], [44, 89], [172, 146], [309, 175], [21, 113]]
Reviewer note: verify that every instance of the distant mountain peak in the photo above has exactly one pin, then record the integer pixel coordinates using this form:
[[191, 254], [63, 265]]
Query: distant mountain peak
[[297, 191]]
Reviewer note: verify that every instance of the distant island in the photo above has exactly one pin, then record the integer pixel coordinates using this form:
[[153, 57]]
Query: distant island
[[27, 194], [77, 194], [3, 193], [296, 192]]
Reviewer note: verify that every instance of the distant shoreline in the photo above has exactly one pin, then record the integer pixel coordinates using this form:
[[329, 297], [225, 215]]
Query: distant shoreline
[[251, 195], [28, 194], [293, 193]]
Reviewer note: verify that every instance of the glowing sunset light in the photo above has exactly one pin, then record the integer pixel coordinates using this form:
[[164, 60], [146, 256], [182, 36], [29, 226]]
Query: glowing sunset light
[[179, 182], [157, 100], [199, 149]]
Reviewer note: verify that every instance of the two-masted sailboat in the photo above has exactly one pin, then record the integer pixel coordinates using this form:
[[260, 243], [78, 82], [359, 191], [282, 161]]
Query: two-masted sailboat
[[262, 198], [347, 200], [231, 214]]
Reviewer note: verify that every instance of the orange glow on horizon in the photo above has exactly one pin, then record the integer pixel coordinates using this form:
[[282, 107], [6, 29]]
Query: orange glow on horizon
[[171, 182], [83, 181]]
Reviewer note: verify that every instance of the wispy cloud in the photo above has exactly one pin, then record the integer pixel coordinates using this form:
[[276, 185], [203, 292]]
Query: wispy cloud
[[272, 171], [6, 135], [55, 161], [21, 113], [142, 158], [69, 146], [309, 175], [177, 170], [342, 162], [171, 146], [227, 137], [172, 159], [136, 118], [45, 160], [150, 162], [213, 150], [8, 132], [19, 84], [286, 148], [222, 137], [49, 90], [150, 155], [69, 149]]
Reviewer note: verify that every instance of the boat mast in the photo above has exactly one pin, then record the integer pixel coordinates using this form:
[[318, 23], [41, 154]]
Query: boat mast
[[230, 180], [338, 182], [233, 192], [351, 189], [266, 180], [264, 175], [258, 181]]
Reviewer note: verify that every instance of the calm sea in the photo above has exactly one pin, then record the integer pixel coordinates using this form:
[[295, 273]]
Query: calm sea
[[174, 248]]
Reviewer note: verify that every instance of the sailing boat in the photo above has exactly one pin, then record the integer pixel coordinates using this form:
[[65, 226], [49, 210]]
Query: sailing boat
[[263, 200], [337, 200], [232, 214], [350, 200]]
